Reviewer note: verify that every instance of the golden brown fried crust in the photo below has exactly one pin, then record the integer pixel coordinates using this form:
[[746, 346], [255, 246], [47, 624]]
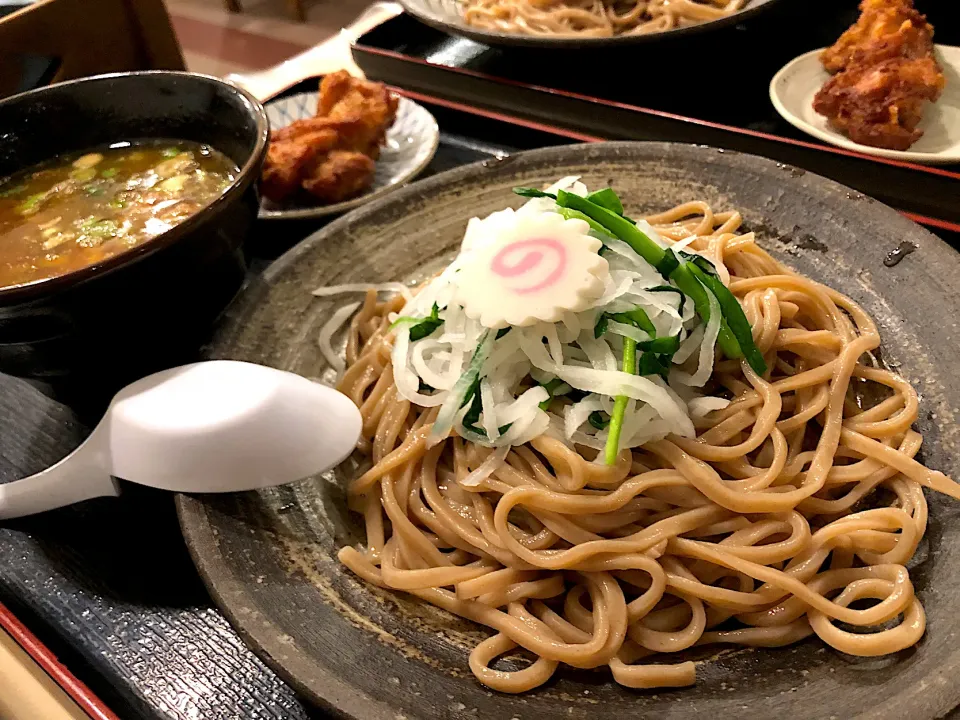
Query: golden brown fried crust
[[885, 72], [286, 161], [339, 175], [885, 29], [331, 155], [880, 105]]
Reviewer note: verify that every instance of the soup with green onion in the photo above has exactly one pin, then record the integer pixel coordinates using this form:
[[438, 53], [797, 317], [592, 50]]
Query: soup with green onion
[[78, 210]]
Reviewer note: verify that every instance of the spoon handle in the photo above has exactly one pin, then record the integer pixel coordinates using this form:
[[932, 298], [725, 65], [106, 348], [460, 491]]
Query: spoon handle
[[81, 475]]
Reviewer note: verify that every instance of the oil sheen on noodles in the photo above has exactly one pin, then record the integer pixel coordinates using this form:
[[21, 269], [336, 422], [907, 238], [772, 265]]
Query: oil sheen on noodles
[[796, 500], [593, 18]]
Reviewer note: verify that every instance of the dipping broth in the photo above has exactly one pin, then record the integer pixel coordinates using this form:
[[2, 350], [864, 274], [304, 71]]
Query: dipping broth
[[80, 209]]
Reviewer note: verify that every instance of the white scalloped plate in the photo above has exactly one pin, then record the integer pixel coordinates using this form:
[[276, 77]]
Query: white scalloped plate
[[411, 143], [792, 90]]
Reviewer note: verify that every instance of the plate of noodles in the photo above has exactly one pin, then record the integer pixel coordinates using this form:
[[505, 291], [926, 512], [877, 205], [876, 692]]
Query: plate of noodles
[[579, 23], [642, 438]]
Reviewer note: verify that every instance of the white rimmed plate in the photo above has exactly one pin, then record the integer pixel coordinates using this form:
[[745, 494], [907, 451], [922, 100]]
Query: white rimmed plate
[[411, 143], [792, 90]]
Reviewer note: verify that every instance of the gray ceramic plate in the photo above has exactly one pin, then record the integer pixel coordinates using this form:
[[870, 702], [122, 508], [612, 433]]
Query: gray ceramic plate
[[447, 15], [268, 558], [410, 145]]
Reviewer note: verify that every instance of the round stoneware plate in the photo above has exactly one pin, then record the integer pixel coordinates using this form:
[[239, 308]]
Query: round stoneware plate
[[269, 557], [411, 143], [794, 86], [447, 15]]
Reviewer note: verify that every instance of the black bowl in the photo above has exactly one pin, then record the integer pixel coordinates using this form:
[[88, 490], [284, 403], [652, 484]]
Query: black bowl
[[148, 306]]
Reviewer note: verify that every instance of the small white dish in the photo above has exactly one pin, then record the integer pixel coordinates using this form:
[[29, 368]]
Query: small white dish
[[794, 86], [411, 143]]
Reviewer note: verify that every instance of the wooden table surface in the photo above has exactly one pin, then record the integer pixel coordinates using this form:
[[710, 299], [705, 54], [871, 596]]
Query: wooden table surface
[[27, 692]]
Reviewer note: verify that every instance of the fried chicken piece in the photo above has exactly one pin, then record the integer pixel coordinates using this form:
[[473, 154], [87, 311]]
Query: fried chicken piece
[[881, 105], [331, 155], [884, 30], [343, 97], [287, 159], [339, 175], [885, 72]]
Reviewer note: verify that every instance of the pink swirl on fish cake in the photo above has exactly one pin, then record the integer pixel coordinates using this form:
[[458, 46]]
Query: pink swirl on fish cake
[[536, 254]]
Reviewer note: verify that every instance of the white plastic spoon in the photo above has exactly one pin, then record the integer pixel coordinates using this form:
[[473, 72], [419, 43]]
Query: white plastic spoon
[[220, 426]]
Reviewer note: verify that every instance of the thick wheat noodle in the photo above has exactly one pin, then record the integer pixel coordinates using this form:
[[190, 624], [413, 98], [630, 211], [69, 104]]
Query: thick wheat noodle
[[593, 18], [800, 497]]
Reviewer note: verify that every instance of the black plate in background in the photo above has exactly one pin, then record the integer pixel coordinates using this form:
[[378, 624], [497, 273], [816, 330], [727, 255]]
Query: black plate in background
[[447, 16]]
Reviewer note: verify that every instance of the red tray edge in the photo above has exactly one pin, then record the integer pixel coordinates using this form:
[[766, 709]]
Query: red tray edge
[[41, 654]]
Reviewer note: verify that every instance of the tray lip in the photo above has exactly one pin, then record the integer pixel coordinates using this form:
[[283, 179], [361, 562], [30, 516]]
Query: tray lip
[[44, 657], [499, 116], [194, 519], [359, 46]]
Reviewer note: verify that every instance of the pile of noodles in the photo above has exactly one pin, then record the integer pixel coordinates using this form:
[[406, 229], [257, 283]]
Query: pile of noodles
[[796, 500], [593, 18]]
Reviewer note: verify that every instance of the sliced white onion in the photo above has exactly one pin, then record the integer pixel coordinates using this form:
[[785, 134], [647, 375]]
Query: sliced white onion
[[702, 406], [666, 302], [549, 331], [625, 330], [455, 398], [329, 329], [684, 244], [407, 381], [666, 325], [598, 352], [635, 420], [625, 251], [431, 372], [565, 183], [597, 442], [633, 386], [523, 405], [489, 466], [648, 230], [526, 429], [393, 287], [570, 323], [489, 419], [576, 415], [689, 346], [707, 348], [612, 290]]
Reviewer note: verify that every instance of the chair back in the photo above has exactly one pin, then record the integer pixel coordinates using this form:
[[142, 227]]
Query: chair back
[[54, 40]]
